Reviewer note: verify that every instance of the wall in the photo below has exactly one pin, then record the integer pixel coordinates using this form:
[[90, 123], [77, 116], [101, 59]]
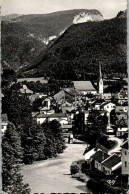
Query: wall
[[125, 158]]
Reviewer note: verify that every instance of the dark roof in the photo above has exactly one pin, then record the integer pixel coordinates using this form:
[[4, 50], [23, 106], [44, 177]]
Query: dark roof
[[99, 156], [125, 145], [111, 161]]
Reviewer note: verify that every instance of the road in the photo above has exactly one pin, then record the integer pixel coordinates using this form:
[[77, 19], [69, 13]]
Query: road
[[53, 175], [118, 146]]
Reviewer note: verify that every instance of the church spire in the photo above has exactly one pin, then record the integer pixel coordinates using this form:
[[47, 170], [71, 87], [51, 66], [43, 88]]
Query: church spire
[[100, 80], [100, 73]]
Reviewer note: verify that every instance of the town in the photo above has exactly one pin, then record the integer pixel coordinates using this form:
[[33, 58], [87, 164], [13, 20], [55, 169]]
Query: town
[[95, 112]]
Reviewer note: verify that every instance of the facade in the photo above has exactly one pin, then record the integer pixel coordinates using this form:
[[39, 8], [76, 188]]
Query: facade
[[125, 158]]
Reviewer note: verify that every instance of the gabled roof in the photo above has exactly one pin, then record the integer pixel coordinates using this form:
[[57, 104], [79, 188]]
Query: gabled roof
[[105, 103], [99, 156], [84, 86], [57, 115], [42, 116], [111, 161], [125, 145]]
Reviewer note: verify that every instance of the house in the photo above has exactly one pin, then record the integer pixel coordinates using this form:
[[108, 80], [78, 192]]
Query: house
[[125, 163], [26, 91], [66, 95], [121, 108], [89, 154], [107, 96], [84, 87], [97, 158], [33, 97], [45, 110], [41, 118], [58, 116], [125, 158], [4, 122], [107, 106], [33, 79], [110, 164], [121, 131]]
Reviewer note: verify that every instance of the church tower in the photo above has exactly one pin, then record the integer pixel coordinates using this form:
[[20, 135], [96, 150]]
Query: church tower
[[100, 81]]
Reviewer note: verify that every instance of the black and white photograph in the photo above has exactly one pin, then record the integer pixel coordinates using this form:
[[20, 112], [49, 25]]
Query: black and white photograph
[[64, 97]]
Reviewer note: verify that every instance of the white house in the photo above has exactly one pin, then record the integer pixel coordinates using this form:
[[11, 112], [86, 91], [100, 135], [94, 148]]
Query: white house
[[107, 106], [110, 164], [125, 158]]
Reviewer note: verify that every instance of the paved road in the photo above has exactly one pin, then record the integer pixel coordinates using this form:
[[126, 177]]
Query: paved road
[[53, 175], [118, 146]]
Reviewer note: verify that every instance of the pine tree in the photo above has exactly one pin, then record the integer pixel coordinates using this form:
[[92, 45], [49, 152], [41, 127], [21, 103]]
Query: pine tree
[[12, 157]]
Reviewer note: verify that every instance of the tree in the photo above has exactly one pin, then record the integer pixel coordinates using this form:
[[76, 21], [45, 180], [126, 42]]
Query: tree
[[12, 157], [96, 125], [33, 142]]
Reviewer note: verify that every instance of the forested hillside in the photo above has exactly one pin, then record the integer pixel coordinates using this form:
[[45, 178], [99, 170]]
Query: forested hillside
[[82, 47]]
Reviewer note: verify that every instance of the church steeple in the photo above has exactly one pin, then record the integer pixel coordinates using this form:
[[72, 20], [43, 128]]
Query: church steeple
[[100, 80]]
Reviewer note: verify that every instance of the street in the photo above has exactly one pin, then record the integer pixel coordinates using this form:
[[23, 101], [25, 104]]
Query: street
[[53, 175]]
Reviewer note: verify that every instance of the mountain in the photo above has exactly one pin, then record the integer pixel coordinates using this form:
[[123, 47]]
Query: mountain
[[47, 27], [122, 14], [18, 48], [25, 36], [80, 49], [10, 17]]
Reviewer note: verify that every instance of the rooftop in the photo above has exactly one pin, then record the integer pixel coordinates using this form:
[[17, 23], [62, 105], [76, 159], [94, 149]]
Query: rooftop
[[84, 86], [125, 145], [111, 161], [99, 156]]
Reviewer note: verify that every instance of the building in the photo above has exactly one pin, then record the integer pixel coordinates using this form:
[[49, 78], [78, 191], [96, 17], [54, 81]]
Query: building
[[4, 122], [26, 91], [89, 154], [100, 81], [97, 158], [33, 79], [121, 131], [66, 95], [125, 158], [41, 118], [125, 164], [84, 87], [61, 117], [112, 163], [107, 106]]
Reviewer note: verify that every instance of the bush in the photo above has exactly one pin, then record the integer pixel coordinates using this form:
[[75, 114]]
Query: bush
[[74, 168]]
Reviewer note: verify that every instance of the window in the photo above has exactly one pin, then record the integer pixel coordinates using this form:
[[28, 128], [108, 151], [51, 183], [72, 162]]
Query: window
[[125, 153], [125, 164]]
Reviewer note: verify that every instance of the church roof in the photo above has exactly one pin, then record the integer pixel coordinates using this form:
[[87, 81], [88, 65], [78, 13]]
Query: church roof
[[84, 86]]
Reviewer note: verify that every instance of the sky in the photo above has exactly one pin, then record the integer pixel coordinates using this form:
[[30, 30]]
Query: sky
[[108, 8]]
